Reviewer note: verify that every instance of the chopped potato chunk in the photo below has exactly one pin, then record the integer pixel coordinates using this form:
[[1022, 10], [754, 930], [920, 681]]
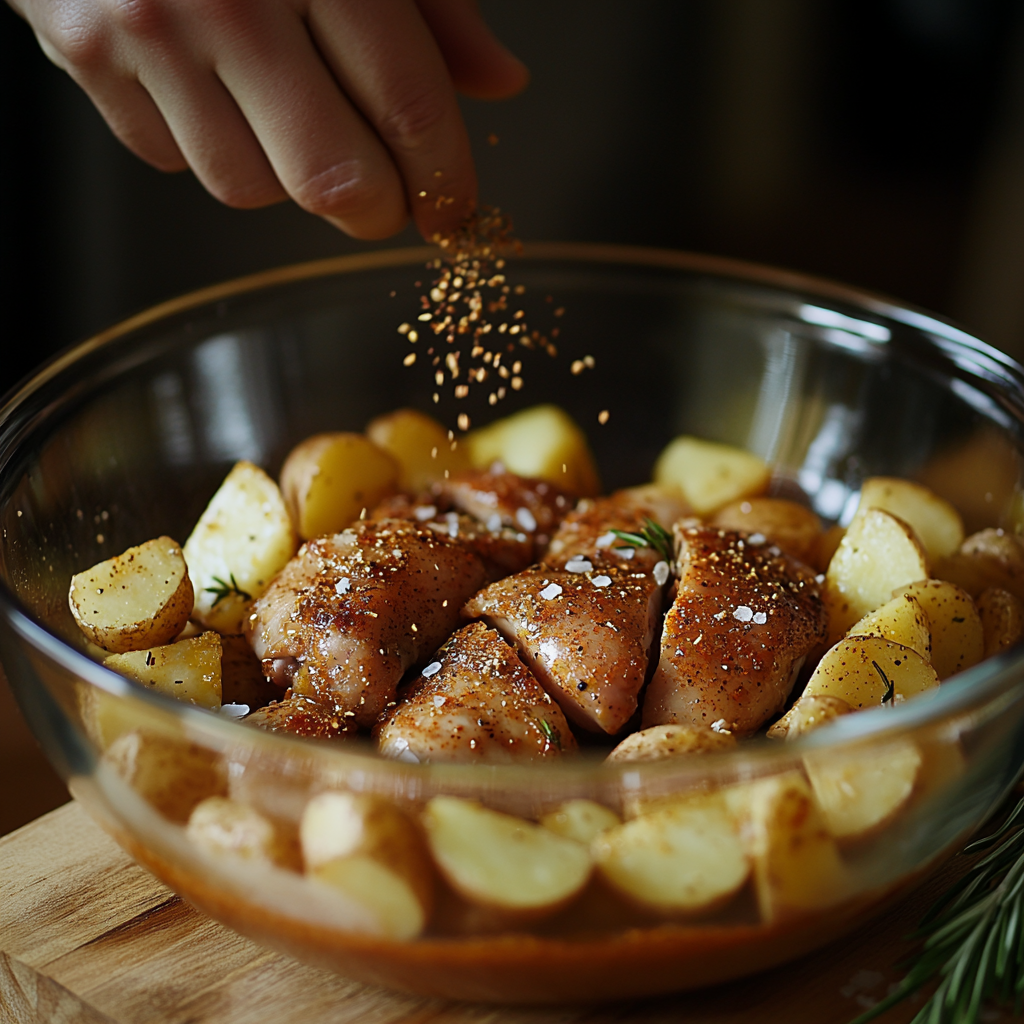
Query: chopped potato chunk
[[710, 475], [932, 518], [420, 446], [1002, 619], [223, 826], [329, 479], [958, 639], [241, 542], [660, 741], [901, 620], [989, 558], [682, 857], [581, 820], [503, 862], [867, 671], [366, 848], [810, 712], [543, 442], [188, 670], [141, 598], [877, 554]]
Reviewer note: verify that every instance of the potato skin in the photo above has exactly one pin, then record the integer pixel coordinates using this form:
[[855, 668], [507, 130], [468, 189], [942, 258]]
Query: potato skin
[[678, 740], [420, 446], [808, 713], [138, 599]]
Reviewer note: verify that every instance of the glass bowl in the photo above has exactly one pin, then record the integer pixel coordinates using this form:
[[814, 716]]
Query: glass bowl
[[127, 436]]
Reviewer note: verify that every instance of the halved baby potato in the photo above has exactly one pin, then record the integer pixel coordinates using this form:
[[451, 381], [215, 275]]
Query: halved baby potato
[[543, 442], [171, 774], [796, 862], [710, 475], [241, 542], [367, 849], [810, 712], [420, 446], [859, 791], [221, 825], [328, 479], [989, 558], [502, 862], [868, 671], [141, 598], [188, 670], [794, 528], [683, 857], [660, 741], [935, 521], [901, 620], [1002, 619], [958, 639], [877, 554], [581, 820]]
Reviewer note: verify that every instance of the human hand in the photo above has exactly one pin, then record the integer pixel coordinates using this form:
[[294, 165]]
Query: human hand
[[346, 106]]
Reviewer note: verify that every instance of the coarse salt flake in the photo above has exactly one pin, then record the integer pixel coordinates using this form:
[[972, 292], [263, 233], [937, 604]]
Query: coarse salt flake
[[743, 613], [524, 517], [439, 700], [606, 540], [234, 710], [661, 573], [721, 726], [601, 581], [343, 586], [760, 618], [432, 669], [494, 522], [579, 564], [551, 591], [756, 538], [425, 512], [820, 578], [626, 553]]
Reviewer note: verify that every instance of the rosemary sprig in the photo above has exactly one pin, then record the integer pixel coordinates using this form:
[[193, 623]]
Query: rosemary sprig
[[550, 732], [890, 688], [223, 590], [651, 535], [973, 937]]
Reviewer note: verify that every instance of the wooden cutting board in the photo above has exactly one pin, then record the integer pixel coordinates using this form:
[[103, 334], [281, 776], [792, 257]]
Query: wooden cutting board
[[86, 937]]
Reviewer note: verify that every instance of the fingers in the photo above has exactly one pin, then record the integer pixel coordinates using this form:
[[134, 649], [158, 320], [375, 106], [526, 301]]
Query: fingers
[[386, 61], [480, 65]]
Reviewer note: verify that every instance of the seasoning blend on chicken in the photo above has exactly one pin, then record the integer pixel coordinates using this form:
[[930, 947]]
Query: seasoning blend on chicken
[[475, 701], [351, 613], [585, 633], [744, 619]]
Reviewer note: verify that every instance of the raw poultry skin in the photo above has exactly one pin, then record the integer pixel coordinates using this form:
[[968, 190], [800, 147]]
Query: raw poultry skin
[[744, 618], [586, 636], [351, 613], [479, 703]]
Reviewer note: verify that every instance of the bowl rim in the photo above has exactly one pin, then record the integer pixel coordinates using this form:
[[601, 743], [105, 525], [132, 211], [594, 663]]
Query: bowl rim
[[984, 684]]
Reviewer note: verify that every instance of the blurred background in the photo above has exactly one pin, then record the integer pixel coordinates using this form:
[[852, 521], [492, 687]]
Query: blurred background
[[880, 142]]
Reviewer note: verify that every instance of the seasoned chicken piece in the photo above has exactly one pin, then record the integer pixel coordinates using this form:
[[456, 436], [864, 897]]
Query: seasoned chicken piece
[[585, 534], [303, 716], [744, 618], [585, 635], [499, 498], [351, 613], [475, 701]]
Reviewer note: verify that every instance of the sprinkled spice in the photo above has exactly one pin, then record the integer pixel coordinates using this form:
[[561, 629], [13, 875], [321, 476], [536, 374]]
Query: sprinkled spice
[[603, 416]]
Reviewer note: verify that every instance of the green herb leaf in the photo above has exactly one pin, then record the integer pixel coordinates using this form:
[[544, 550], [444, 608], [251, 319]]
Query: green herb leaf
[[550, 732], [223, 590], [652, 535]]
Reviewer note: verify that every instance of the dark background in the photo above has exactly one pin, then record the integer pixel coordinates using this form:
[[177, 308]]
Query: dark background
[[876, 141]]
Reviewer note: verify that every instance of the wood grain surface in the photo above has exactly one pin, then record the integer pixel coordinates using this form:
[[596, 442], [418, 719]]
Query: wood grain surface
[[88, 936]]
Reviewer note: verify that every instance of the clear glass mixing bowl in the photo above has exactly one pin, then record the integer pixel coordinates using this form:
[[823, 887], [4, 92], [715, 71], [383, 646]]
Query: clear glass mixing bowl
[[126, 437]]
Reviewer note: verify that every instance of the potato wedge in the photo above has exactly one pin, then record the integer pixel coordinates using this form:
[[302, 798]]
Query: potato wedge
[[420, 446], [796, 863], [328, 480], [901, 620], [989, 558], [683, 857], [220, 825], [859, 791], [710, 475], [366, 848], [141, 598], [858, 668], [877, 554], [171, 774], [958, 639], [794, 528], [543, 442], [1002, 619], [580, 820], [658, 741], [503, 862], [935, 521], [810, 712], [188, 670], [242, 541]]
